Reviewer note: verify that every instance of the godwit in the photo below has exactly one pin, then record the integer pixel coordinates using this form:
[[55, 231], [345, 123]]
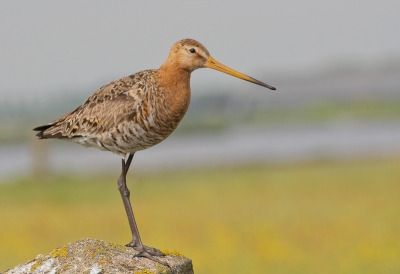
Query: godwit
[[137, 112]]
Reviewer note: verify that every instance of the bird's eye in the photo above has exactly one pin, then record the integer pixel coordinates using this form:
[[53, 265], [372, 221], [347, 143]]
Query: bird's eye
[[192, 50]]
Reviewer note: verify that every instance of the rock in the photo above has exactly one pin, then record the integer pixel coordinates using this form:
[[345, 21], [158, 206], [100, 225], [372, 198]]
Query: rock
[[91, 256]]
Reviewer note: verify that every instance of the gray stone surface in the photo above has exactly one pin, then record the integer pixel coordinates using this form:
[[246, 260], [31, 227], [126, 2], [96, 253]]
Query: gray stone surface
[[91, 256]]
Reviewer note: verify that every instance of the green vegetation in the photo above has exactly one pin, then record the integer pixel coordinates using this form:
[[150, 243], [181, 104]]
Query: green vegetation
[[321, 217], [330, 110], [218, 118]]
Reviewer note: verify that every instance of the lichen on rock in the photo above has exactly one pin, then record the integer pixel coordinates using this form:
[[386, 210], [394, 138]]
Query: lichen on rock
[[91, 256]]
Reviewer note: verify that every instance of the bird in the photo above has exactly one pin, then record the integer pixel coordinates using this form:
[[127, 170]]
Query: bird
[[137, 112]]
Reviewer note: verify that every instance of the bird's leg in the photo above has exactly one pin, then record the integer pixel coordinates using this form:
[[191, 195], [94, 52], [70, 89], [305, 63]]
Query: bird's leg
[[136, 243]]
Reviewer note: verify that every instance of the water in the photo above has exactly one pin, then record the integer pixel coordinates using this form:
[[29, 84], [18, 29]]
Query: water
[[339, 140]]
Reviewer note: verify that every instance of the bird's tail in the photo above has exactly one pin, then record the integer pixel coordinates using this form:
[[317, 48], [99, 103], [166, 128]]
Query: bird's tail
[[42, 135]]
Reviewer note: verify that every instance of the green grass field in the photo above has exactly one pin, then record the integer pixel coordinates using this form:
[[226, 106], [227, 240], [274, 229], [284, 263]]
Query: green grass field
[[320, 217]]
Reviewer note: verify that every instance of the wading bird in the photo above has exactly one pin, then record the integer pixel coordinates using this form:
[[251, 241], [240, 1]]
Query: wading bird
[[137, 112]]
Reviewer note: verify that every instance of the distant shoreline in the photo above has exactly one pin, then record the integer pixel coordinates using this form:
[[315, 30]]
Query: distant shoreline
[[237, 146]]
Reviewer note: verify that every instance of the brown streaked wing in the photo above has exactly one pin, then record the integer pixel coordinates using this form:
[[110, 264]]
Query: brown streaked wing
[[92, 121], [103, 110]]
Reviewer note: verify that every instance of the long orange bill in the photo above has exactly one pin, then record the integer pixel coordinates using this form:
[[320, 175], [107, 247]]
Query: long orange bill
[[214, 64]]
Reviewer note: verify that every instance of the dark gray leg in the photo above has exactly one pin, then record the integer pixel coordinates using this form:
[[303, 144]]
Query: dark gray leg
[[136, 243]]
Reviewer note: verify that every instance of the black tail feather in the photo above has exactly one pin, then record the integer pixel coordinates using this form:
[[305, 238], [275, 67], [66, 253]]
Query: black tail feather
[[41, 129]]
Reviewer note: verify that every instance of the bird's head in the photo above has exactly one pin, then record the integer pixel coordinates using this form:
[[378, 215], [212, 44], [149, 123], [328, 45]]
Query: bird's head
[[190, 55]]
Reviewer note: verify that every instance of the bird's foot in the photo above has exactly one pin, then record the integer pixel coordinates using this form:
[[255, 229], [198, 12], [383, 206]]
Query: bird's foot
[[148, 252], [151, 250], [150, 255]]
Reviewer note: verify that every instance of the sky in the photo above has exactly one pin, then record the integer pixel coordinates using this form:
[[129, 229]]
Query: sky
[[53, 47]]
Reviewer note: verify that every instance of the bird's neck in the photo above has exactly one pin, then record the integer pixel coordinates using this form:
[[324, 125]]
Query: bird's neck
[[173, 75], [176, 83]]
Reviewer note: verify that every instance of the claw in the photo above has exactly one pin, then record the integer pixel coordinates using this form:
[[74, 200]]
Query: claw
[[147, 252], [131, 244], [151, 250], [150, 256]]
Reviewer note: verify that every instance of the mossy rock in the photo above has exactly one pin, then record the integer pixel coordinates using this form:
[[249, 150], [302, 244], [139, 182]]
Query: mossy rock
[[99, 257]]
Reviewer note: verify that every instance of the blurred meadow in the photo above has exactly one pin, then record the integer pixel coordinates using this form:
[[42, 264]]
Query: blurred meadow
[[316, 217], [304, 179]]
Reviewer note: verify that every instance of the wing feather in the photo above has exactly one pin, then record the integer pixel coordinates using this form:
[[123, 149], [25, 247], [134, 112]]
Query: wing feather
[[111, 106]]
